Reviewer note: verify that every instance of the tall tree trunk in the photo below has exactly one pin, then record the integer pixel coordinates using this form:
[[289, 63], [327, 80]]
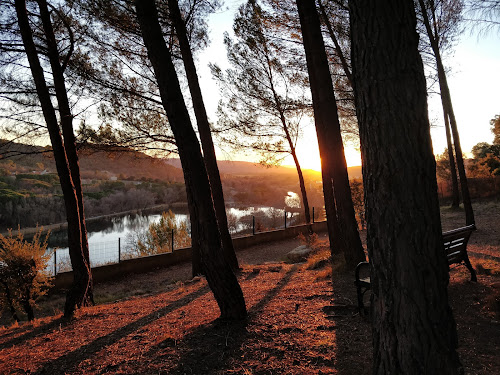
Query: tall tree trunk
[[302, 185], [76, 295], [335, 236], [469, 212], [448, 108], [196, 266], [328, 129], [333, 37], [68, 136], [220, 277], [205, 134], [455, 202], [413, 327]]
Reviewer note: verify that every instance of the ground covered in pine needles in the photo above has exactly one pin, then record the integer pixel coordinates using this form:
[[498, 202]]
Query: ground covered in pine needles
[[299, 323], [296, 325]]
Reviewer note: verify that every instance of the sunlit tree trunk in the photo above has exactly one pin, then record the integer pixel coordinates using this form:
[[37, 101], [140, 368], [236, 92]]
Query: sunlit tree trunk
[[413, 327], [220, 277], [205, 134], [77, 295], [328, 130]]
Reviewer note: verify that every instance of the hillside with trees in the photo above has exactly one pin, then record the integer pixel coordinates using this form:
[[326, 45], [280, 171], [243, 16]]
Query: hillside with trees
[[117, 181]]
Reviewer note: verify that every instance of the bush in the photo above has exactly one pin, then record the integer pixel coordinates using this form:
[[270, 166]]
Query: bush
[[23, 272], [158, 238]]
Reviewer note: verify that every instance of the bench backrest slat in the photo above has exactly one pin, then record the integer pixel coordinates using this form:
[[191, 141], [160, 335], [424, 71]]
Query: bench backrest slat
[[455, 243]]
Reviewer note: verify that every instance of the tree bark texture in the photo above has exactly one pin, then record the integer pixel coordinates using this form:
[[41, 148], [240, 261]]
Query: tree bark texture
[[205, 134], [455, 202], [196, 266], [81, 270], [328, 130], [448, 109], [335, 236], [220, 277], [68, 135], [413, 327]]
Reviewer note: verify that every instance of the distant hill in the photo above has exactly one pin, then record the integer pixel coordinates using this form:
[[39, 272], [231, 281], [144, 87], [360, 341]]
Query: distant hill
[[355, 172], [235, 167], [93, 164], [137, 165], [125, 165], [249, 168]]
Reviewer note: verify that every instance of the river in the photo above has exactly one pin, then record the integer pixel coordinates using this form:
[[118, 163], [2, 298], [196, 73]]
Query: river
[[110, 238]]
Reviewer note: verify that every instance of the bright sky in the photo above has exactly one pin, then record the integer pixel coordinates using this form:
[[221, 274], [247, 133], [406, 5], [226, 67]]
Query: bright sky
[[474, 83]]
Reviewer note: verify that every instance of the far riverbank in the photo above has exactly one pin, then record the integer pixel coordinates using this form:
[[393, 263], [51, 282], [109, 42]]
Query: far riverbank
[[61, 226]]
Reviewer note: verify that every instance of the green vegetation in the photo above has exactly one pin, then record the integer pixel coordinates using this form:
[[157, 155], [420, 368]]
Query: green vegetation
[[36, 199]]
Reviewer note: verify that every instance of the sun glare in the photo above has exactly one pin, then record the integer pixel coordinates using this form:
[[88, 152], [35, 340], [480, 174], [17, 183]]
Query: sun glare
[[309, 158], [352, 156]]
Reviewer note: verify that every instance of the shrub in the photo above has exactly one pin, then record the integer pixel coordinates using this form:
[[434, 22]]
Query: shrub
[[23, 272], [158, 238]]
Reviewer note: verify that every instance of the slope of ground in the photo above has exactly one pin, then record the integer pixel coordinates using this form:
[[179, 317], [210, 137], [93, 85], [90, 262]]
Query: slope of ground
[[299, 323]]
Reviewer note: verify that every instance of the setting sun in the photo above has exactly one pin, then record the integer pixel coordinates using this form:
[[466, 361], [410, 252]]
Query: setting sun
[[308, 155]]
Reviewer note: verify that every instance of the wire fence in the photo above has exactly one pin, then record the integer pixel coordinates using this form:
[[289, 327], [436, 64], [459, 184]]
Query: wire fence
[[112, 252], [100, 253]]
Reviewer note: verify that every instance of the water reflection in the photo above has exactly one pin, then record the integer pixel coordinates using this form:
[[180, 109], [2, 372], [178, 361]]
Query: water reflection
[[110, 238], [109, 229]]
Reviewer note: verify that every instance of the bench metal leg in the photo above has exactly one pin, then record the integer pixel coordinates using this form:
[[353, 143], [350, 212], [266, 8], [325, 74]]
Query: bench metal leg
[[473, 276], [361, 306]]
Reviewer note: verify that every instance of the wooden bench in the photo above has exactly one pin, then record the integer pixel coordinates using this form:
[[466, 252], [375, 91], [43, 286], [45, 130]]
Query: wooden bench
[[455, 245]]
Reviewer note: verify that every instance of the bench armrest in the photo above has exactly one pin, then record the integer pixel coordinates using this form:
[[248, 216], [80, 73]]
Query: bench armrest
[[359, 267]]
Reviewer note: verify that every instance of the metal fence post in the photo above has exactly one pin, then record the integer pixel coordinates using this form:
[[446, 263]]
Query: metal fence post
[[313, 215], [285, 219], [55, 263], [172, 240], [253, 225], [119, 249]]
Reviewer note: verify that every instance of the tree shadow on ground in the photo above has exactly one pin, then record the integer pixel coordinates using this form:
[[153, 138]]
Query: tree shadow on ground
[[476, 308], [210, 349], [353, 353], [33, 332], [70, 361]]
